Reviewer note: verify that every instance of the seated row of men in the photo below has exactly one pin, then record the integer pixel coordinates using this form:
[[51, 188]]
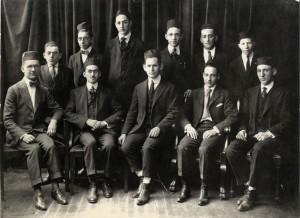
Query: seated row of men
[[155, 107]]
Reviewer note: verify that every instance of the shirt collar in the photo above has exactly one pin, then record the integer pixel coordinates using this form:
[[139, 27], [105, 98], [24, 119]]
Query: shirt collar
[[269, 86], [156, 80], [245, 56], [206, 88], [127, 37], [56, 65], [89, 85], [27, 81], [171, 48], [89, 49], [212, 51]]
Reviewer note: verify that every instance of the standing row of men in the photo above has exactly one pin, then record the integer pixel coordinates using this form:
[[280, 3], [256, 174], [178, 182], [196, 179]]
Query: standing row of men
[[157, 102]]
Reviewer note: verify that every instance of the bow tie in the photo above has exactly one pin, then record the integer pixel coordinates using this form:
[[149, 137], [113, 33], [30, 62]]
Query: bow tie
[[85, 52], [33, 83]]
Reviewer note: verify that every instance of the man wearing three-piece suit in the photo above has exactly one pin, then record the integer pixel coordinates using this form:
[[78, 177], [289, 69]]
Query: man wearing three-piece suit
[[27, 104], [265, 118], [96, 115], [242, 73], [153, 110], [123, 60], [210, 52], [204, 117], [76, 61]]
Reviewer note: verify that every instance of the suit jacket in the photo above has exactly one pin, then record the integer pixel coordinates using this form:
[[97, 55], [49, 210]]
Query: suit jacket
[[240, 80], [107, 109], [276, 115], [222, 109], [76, 65], [61, 86], [164, 110], [198, 63], [177, 73], [20, 117]]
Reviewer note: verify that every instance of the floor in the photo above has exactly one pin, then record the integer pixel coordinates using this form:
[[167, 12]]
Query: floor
[[18, 203]]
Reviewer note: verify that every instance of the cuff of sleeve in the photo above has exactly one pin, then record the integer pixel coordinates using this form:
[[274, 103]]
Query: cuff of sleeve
[[107, 126], [271, 134], [216, 129], [22, 136]]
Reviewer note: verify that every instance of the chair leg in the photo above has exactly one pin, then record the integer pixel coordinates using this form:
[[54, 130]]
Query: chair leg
[[232, 181], [223, 170], [72, 173], [67, 173], [126, 176], [277, 197]]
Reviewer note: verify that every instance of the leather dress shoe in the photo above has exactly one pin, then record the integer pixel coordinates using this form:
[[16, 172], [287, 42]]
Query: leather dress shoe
[[138, 191], [107, 192], [39, 202], [59, 197], [92, 196], [184, 194], [203, 199], [248, 201], [144, 195]]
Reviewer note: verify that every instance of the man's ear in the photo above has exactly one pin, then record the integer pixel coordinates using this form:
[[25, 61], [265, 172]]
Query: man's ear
[[144, 67], [22, 68], [84, 74]]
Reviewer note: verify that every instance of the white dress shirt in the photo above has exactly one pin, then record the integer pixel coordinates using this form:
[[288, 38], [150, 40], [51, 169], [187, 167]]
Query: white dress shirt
[[31, 90], [84, 56], [244, 58], [127, 37], [171, 48], [90, 85], [268, 87], [55, 68], [156, 81], [205, 53]]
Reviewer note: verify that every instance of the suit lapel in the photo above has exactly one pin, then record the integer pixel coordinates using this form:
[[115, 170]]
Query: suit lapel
[[269, 101], [37, 97], [254, 99], [59, 75], [25, 94], [214, 97], [100, 99], [83, 98], [142, 94], [198, 105], [159, 90]]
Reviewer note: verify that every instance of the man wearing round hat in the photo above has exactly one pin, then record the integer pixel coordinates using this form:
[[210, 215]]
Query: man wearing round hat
[[265, 117], [242, 74], [76, 61], [96, 114], [174, 61], [27, 104]]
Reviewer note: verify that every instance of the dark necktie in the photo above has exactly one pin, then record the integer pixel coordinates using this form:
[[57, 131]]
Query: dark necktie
[[206, 104], [123, 44], [85, 52], [33, 83], [52, 72], [209, 56], [151, 91], [248, 64], [264, 93], [174, 55], [93, 93]]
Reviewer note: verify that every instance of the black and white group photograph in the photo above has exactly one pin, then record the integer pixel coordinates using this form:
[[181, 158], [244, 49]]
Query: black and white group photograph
[[149, 108]]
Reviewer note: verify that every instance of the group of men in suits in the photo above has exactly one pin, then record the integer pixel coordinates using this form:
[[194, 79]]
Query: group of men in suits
[[173, 91]]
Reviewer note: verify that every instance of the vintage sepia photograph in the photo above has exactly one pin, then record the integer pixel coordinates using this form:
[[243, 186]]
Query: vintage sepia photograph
[[149, 108]]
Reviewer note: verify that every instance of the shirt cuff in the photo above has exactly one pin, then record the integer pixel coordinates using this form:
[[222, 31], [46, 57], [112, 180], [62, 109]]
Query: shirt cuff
[[270, 134], [22, 136], [107, 126], [216, 129]]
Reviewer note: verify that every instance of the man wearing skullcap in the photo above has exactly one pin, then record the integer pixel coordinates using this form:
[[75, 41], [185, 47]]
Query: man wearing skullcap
[[242, 74], [153, 110], [207, 112], [96, 115], [208, 38], [27, 104], [174, 60], [265, 118], [123, 60], [76, 61]]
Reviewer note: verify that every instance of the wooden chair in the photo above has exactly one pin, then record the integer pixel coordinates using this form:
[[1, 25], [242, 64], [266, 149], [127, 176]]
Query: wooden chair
[[10, 150], [76, 151]]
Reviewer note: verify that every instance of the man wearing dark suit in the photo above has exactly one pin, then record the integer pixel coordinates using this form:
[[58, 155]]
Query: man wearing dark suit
[[123, 60], [205, 115], [265, 116], [76, 61], [208, 39], [27, 104], [175, 63], [55, 77], [153, 110], [95, 113], [242, 73]]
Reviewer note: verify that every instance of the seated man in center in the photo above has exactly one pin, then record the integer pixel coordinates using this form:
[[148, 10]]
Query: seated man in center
[[153, 110], [95, 113], [205, 115]]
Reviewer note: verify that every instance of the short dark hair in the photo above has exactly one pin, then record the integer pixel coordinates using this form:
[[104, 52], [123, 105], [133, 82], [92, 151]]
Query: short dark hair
[[51, 44], [123, 12], [152, 53], [208, 26], [211, 64]]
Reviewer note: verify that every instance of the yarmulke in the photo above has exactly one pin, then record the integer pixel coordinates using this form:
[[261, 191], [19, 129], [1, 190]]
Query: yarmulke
[[208, 26], [152, 53], [84, 26], [265, 61], [91, 61], [244, 35], [30, 55], [123, 12], [173, 23]]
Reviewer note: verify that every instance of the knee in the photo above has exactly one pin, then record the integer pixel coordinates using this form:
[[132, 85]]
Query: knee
[[181, 148], [203, 150], [109, 145], [147, 148], [35, 149]]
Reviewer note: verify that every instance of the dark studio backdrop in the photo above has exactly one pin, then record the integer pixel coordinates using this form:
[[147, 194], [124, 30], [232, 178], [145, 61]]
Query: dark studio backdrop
[[29, 24]]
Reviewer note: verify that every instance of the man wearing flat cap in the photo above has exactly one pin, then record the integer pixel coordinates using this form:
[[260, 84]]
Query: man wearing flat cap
[[242, 74], [152, 112], [95, 114], [27, 104], [208, 38], [76, 61], [123, 60], [265, 118], [174, 60], [204, 117]]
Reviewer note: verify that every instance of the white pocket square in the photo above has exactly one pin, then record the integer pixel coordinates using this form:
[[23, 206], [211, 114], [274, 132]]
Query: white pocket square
[[219, 105]]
